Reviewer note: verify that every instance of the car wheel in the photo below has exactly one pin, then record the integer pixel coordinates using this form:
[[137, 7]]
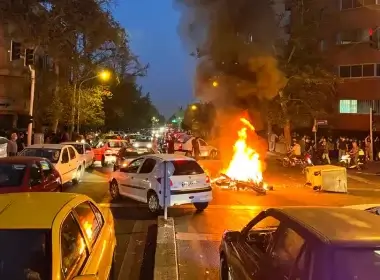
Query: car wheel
[[114, 190], [153, 203], [78, 176], [200, 206], [225, 273]]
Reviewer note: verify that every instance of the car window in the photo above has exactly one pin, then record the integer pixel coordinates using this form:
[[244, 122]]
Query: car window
[[202, 143], [133, 167], [72, 153], [90, 222], [268, 222], [79, 148], [88, 147], [50, 154], [35, 175], [115, 144], [46, 167], [12, 175], [99, 145], [286, 250], [65, 156], [25, 254], [148, 166], [186, 167], [74, 251]]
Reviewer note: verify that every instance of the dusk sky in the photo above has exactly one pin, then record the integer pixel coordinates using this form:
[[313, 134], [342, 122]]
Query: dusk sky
[[152, 25]]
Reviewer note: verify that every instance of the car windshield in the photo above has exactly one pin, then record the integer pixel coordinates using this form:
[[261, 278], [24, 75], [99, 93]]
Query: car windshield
[[11, 175], [79, 148], [25, 254], [143, 139], [50, 154], [357, 264], [186, 167]]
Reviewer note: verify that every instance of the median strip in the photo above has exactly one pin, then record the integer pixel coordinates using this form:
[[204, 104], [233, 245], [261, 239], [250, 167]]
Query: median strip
[[166, 262]]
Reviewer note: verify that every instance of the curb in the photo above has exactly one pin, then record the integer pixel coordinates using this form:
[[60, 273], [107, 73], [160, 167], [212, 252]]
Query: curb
[[165, 261]]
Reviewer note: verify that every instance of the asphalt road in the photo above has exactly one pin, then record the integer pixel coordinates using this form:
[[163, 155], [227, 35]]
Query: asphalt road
[[198, 234]]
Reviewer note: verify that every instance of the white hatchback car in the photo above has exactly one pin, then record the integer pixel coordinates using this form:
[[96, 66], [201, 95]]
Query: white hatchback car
[[140, 181], [64, 157]]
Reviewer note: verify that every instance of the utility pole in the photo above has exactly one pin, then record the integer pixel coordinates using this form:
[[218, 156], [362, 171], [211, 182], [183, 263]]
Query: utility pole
[[371, 131], [32, 88]]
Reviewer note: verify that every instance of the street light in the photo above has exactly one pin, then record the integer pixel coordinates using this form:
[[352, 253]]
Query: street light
[[194, 107], [215, 84], [104, 75]]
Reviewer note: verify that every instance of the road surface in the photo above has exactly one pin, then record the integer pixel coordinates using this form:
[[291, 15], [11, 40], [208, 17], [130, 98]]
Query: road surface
[[198, 234]]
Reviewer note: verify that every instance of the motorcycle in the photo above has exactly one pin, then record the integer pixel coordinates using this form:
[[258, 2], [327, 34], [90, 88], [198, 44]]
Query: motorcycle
[[302, 161], [346, 161]]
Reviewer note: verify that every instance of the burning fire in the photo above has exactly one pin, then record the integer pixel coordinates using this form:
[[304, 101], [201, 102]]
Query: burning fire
[[245, 164]]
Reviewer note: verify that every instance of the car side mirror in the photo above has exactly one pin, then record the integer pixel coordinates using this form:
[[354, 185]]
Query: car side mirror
[[231, 236], [86, 277]]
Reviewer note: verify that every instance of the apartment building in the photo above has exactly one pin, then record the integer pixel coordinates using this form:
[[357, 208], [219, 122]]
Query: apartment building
[[14, 85], [345, 41]]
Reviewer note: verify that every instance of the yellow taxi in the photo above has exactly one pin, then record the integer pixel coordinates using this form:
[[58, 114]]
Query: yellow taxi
[[49, 236]]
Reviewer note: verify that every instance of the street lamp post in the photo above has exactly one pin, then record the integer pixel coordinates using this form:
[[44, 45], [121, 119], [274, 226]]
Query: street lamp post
[[104, 75]]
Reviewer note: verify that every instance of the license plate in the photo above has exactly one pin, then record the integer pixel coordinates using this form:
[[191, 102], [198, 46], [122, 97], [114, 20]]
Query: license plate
[[186, 184]]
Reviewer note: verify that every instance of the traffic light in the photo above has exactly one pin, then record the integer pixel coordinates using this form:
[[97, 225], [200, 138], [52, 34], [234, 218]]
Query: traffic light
[[374, 38], [174, 121], [29, 57], [15, 50]]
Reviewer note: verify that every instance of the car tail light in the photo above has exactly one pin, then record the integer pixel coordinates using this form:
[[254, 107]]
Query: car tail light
[[161, 179], [207, 179]]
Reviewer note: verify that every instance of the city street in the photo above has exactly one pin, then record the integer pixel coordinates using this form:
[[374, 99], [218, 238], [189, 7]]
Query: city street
[[198, 234]]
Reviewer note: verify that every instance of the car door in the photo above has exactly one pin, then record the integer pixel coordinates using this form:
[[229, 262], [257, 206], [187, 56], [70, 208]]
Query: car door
[[251, 250], [51, 182], [98, 238], [36, 178], [74, 250], [129, 183], [203, 148], [89, 154], [64, 167], [145, 177]]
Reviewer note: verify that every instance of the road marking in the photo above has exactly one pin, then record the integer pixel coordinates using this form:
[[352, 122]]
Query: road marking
[[127, 264], [228, 207], [192, 236]]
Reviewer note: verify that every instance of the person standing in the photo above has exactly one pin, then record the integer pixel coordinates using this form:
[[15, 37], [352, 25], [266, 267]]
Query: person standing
[[342, 147], [12, 145], [20, 142], [171, 145], [195, 147], [272, 142]]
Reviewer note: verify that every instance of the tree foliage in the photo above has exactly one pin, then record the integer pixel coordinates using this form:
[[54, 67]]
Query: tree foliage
[[80, 38], [199, 118]]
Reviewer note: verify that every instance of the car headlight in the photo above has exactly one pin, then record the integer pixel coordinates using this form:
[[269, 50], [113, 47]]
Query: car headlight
[[135, 145], [149, 146]]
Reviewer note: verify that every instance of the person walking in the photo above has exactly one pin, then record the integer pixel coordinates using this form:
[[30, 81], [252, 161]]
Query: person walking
[[12, 145]]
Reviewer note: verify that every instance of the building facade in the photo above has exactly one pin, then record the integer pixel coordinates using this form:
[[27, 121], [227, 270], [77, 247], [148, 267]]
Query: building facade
[[14, 84], [345, 40]]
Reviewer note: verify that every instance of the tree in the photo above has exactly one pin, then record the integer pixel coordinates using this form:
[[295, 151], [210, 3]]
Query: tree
[[311, 85], [200, 119]]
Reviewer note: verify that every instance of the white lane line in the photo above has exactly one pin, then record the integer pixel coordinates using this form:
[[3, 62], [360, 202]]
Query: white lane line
[[127, 264], [191, 236], [228, 207]]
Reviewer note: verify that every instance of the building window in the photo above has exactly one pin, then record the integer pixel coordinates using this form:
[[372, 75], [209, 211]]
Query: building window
[[358, 106], [348, 106], [353, 36], [359, 70], [350, 4]]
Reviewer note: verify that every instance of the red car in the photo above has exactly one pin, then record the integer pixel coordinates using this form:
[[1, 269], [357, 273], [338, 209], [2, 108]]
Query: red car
[[28, 174]]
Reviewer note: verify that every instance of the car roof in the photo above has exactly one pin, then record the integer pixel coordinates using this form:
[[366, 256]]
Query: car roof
[[20, 159], [46, 146], [32, 210], [170, 157], [72, 143], [345, 227]]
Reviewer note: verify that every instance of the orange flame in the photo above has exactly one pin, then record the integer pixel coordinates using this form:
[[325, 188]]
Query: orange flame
[[245, 164]]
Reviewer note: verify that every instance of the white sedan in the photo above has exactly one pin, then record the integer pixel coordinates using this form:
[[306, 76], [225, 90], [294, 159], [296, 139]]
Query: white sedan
[[64, 157], [141, 180], [85, 152]]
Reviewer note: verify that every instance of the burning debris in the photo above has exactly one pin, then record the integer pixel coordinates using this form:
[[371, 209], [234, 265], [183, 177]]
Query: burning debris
[[245, 171]]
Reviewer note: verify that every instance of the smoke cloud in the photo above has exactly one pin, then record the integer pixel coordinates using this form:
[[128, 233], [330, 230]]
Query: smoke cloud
[[234, 42]]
